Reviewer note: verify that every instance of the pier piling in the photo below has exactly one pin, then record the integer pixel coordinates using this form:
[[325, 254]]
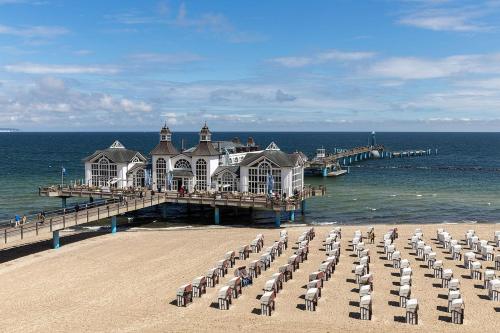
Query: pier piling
[[277, 218], [216, 215], [303, 207], [55, 239], [292, 216], [113, 224]]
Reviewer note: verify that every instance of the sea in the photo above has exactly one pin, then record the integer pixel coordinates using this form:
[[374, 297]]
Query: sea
[[459, 184]]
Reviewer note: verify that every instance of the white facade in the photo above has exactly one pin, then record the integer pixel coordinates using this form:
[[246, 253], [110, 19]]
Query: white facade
[[110, 167]]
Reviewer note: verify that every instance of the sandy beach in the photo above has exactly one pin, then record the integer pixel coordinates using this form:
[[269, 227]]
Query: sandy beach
[[127, 283]]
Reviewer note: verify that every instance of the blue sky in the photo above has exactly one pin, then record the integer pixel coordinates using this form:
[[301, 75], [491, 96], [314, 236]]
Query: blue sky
[[385, 65]]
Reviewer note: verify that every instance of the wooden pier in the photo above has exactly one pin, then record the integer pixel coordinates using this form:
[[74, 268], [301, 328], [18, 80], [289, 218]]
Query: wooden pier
[[331, 165], [119, 202]]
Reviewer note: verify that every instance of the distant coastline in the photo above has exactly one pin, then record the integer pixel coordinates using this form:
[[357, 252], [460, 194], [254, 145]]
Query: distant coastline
[[8, 130]]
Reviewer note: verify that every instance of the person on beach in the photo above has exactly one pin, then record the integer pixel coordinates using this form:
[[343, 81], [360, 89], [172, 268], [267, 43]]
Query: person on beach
[[42, 216], [17, 218], [24, 220]]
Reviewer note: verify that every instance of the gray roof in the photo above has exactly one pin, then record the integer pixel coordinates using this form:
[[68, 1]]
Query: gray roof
[[136, 167], [232, 168], [278, 157], [117, 155], [164, 148], [205, 148]]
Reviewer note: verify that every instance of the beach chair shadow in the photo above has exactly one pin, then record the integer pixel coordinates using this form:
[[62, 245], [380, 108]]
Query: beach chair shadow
[[393, 303], [301, 307], [395, 274], [258, 296], [350, 280], [395, 292], [436, 285], [442, 308], [466, 276], [174, 302], [387, 265], [400, 319], [354, 315], [497, 309], [485, 297], [256, 311], [446, 319], [442, 296], [214, 305], [355, 290], [354, 303], [429, 275], [395, 283], [478, 286], [302, 297]]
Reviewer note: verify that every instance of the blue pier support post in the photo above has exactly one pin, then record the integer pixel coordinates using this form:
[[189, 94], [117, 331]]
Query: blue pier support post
[[64, 200], [324, 172], [164, 211], [350, 160], [216, 215], [277, 219], [113, 224], [55, 239], [292, 216], [303, 207]]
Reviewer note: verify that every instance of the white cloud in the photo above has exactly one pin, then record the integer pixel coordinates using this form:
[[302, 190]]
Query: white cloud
[[442, 22], [30, 68], [167, 58], [321, 58], [33, 31], [408, 68]]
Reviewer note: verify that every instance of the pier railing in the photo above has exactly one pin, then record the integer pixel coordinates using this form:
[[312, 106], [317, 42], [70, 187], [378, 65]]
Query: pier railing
[[119, 203]]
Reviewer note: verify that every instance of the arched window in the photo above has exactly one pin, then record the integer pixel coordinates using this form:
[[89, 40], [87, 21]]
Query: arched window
[[161, 171], [227, 182], [257, 178], [182, 164], [103, 172], [201, 175], [139, 178]]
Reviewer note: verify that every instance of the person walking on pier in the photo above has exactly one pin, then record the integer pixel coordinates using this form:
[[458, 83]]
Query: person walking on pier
[[24, 220]]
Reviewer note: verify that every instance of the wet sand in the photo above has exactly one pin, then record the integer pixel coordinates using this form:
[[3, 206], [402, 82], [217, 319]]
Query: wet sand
[[127, 283]]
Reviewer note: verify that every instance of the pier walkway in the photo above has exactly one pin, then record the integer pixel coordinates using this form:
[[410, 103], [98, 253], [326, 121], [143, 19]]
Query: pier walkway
[[120, 202]]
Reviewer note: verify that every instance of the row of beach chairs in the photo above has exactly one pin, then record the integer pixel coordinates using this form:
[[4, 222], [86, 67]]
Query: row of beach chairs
[[227, 293], [405, 277], [285, 272], [199, 285], [325, 270]]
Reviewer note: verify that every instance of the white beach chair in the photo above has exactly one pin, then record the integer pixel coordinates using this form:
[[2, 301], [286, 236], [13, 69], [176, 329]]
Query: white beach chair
[[487, 252], [454, 284], [315, 284], [396, 259], [405, 280], [412, 312], [431, 258], [254, 268], [405, 263], [438, 269], [222, 267], [496, 238], [326, 268], [212, 277], [244, 252], [271, 285], [235, 285], [359, 271], [230, 257], [457, 311], [456, 252], [404, 295], [365, 307], [494, 289], [447, 276], [224, 297], [488, 276], [475, 270], [265, 260], [366, 279], [365, 261], [287, 271], [420, 249], [279, 277], [267, 303], [184, 295], [468, 258], [199, 286], [311, 299], [364, 291], [390, 251], [317, 276], [294, 261], [497, 262], [453, 295]]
